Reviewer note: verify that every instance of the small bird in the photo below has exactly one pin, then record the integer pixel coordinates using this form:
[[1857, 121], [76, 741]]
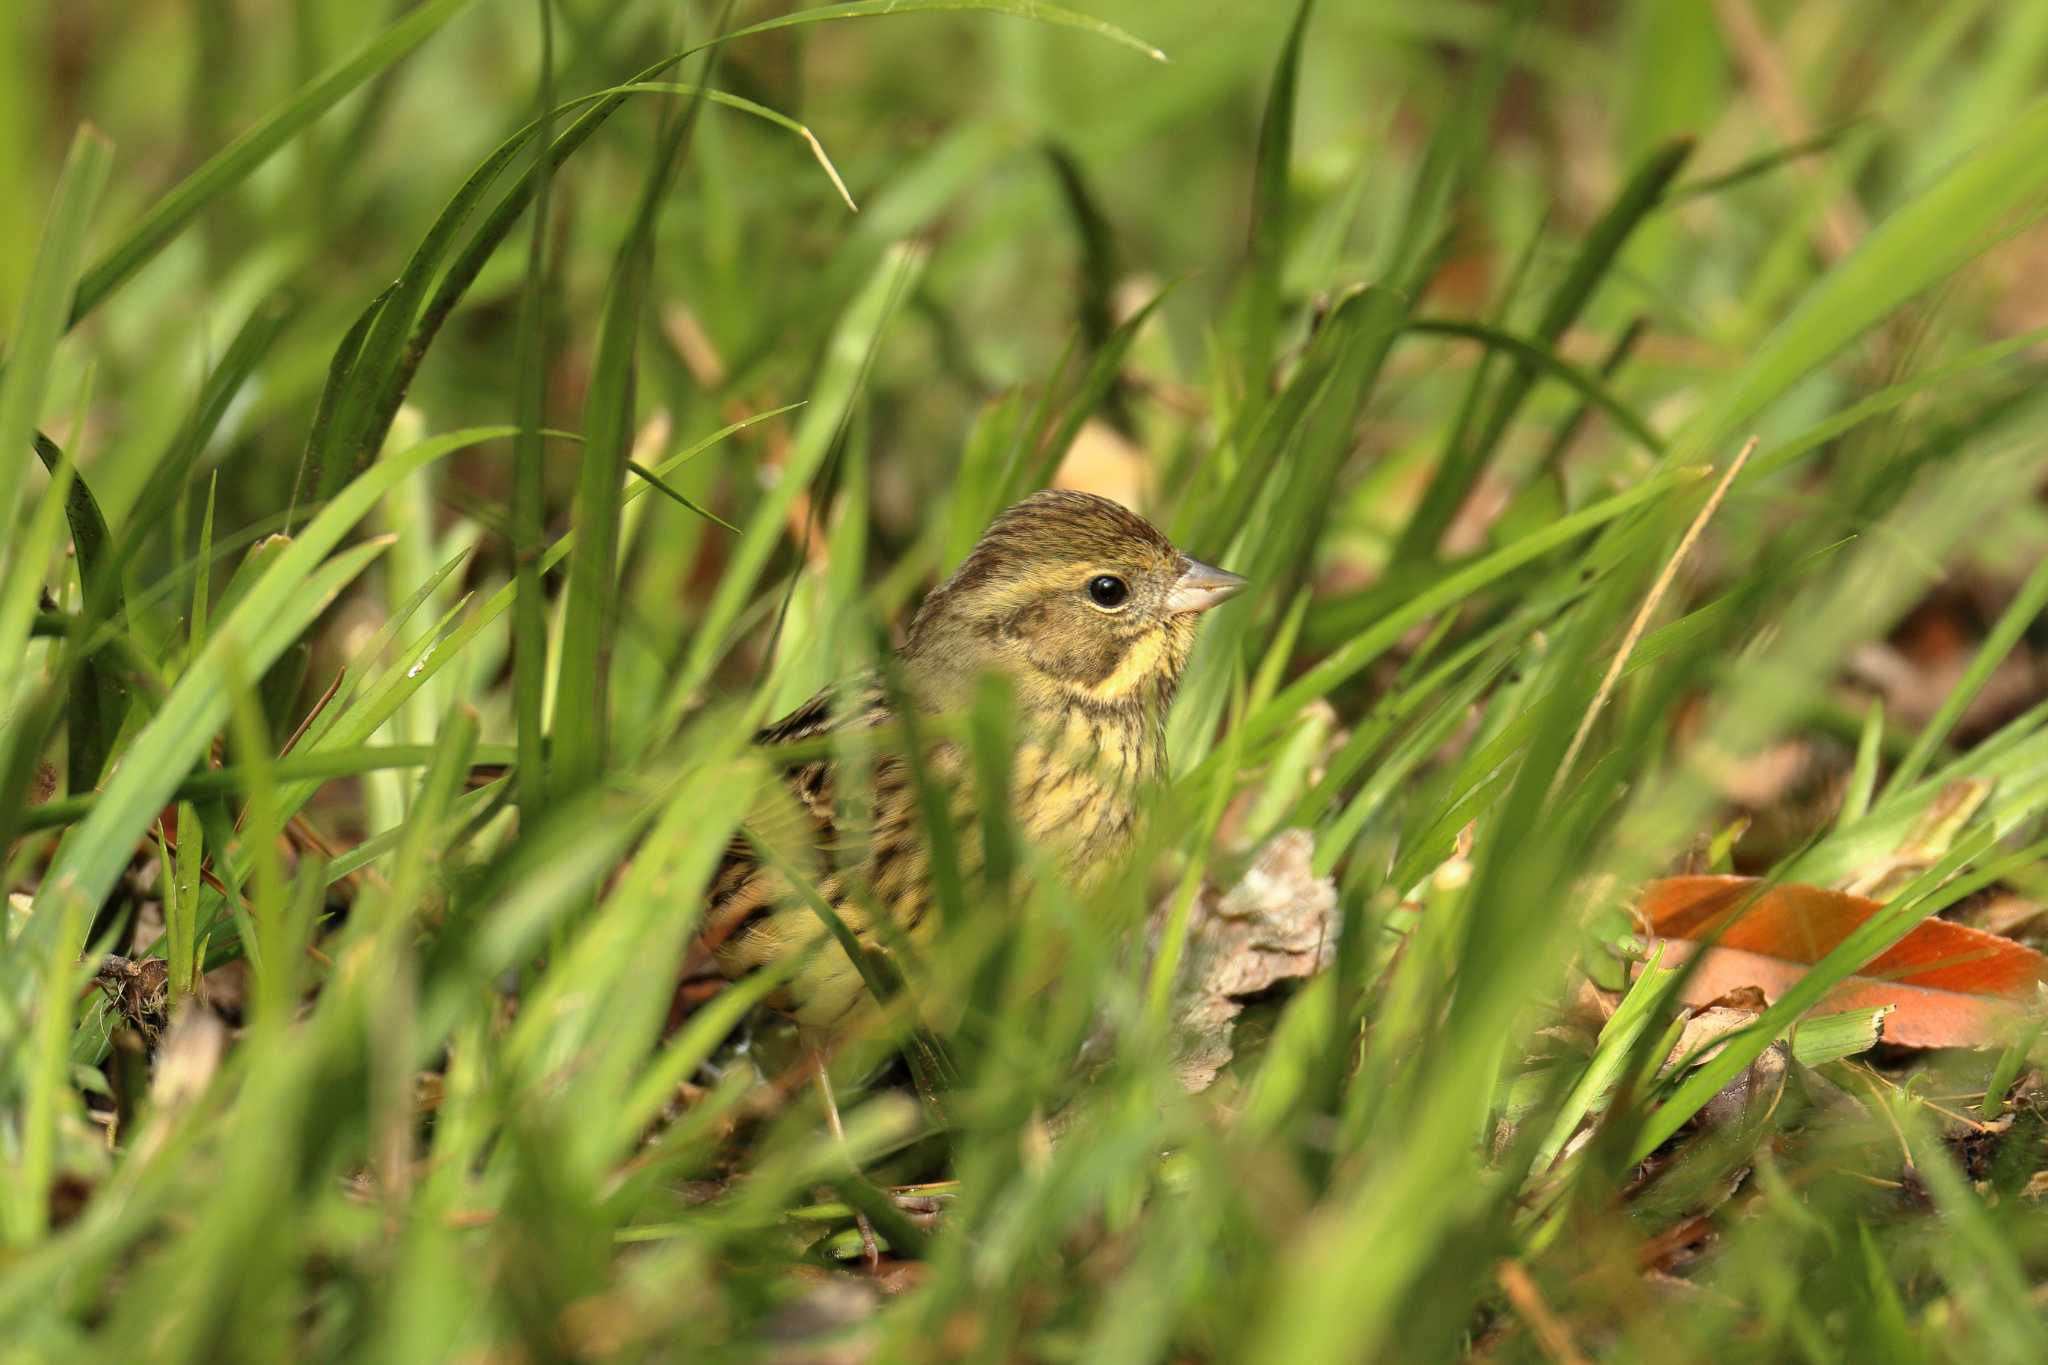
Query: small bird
[[1089, 613]]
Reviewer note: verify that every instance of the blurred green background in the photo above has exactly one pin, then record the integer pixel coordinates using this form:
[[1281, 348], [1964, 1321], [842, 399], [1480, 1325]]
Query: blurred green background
[[948, 129]]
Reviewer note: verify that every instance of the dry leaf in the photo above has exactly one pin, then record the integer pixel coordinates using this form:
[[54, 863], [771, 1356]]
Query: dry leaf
[[1279, 923], [1948, 985], [1704, 1030], [138, 989], [1752, 1094]]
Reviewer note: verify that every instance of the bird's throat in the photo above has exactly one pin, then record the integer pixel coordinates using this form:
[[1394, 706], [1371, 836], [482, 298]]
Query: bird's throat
[[1080, 776]]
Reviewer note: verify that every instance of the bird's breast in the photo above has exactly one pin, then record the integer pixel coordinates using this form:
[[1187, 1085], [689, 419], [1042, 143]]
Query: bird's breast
[[1077, 784]]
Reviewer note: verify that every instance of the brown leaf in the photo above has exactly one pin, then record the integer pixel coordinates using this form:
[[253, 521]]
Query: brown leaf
[[1748, 998], [1948, 985]]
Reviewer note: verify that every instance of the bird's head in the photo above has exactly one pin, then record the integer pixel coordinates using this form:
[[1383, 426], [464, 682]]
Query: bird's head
[[1076, 600]]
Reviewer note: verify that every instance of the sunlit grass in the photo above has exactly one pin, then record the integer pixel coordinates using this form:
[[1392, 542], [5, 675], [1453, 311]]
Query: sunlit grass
[[428, 793]]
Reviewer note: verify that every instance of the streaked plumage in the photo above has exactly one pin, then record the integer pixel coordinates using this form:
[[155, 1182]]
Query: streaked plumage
[[1090, 614]]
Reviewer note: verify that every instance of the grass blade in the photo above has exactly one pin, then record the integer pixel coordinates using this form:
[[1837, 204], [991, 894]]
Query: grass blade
[[1539, 357], [31, 350], [529, 614], [99, 699], [1597, 257], [2018, 617], [590, 597], [293, 590], [833, 394], [1983, 198], [1267, 248], [1362, 649]]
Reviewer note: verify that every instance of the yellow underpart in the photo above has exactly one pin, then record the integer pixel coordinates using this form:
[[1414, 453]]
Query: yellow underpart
[[1138, 666]]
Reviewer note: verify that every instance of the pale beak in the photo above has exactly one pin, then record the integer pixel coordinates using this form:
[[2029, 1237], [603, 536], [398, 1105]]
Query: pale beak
[[1201, 586]]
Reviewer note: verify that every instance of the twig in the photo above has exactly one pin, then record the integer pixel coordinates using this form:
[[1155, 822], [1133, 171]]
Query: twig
[[1550, 1330], [1870, 1078], [314, 714], [1646, 611], [1876, 1078]]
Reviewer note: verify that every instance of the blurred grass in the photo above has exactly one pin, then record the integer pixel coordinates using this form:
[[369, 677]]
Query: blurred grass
[[1432, 317]]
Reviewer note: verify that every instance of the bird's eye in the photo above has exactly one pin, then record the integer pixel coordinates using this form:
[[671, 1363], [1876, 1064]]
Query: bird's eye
[[1108, 591]]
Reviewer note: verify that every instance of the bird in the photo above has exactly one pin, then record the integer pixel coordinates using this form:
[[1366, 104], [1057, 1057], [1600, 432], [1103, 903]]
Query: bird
[[1088, 614]]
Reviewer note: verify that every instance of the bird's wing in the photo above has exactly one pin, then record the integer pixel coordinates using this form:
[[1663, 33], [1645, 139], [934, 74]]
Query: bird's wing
[[791, 811], [858, 704], [799, 815]]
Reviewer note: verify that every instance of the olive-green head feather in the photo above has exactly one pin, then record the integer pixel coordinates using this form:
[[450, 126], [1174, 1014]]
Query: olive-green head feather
[[1073, 598]]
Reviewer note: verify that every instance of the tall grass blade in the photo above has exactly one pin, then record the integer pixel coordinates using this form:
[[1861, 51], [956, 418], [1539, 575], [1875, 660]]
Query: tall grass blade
[[1596, 258], [529, 607], [291, 593], [25, 381]]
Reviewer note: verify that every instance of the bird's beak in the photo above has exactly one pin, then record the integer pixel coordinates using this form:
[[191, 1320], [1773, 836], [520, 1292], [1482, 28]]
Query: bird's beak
[[1201, 586]]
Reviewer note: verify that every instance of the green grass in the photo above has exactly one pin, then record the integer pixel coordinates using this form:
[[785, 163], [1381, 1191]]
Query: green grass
[[1438, 320]]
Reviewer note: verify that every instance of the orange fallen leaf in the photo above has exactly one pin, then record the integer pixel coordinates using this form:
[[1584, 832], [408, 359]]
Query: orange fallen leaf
[[1948, 985]]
